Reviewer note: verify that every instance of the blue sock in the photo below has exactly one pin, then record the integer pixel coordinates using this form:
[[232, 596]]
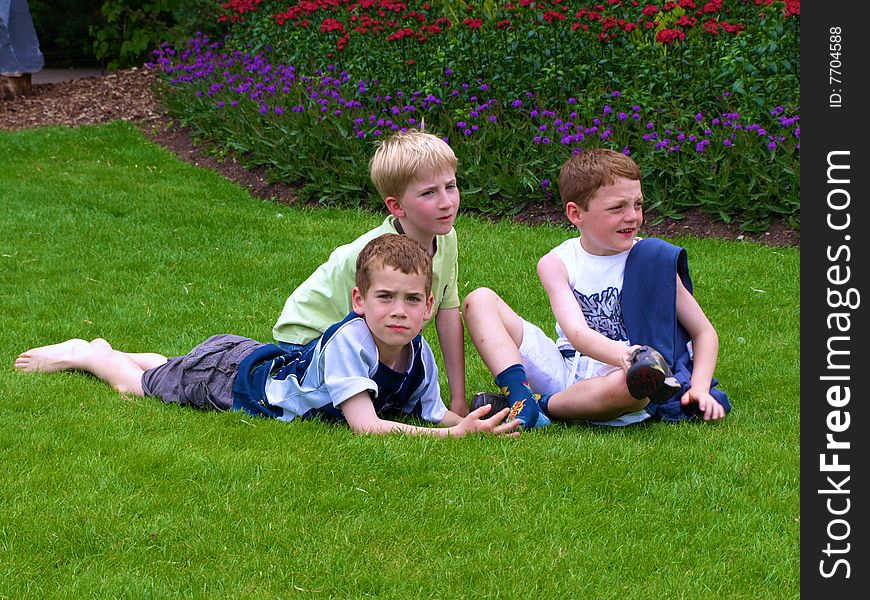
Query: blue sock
[[515, 386], [543, 402]]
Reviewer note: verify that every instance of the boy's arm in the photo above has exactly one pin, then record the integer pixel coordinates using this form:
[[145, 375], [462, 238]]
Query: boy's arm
[[554, 278], [705, 348], [360, 414], [451, 337]]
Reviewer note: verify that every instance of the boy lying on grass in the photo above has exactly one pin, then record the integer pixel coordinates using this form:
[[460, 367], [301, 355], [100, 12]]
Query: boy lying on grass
[[365, 370]]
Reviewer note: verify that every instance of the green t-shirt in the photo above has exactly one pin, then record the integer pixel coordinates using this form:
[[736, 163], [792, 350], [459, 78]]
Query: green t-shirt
[[325, 297]]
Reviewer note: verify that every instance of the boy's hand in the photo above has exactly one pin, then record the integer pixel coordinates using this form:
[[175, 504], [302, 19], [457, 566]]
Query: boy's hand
[[713, 411], [473, 423], [628, 356]]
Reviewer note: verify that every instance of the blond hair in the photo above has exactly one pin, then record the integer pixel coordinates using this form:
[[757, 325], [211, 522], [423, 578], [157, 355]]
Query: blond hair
[[585, 172], [392, 250], [403, 156]]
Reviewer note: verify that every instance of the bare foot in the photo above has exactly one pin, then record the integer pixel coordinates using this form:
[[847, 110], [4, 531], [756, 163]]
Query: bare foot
[[57, 357]]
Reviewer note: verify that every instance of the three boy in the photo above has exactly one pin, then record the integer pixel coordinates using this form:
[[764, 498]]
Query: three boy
[[599, 286]]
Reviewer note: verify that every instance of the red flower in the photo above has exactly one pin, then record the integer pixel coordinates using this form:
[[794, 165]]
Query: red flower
[[401, 33], [685, 21], [473, 23], [241, 6], [649, 10], [331, 25], [712, 6], [669, 36]]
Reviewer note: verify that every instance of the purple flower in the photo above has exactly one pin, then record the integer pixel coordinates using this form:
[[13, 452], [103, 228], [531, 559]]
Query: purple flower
[[493, 118], [615, 93], [517, 103], [699, 116], [545, 183], [727, 143], [572, 100], [607, 110], [771, 146]]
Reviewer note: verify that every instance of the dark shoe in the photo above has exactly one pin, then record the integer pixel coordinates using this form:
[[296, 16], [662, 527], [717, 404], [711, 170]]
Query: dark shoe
[[499, 402], [649, 376]]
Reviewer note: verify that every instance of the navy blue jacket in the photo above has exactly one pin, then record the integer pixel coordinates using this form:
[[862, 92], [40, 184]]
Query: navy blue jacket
[[649, 308]]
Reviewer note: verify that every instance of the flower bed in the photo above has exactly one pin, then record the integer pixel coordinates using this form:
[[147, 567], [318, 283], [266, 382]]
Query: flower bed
[[705, 98]]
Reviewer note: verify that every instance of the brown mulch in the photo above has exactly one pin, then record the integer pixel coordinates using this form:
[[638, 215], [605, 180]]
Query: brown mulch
[[127, 95]]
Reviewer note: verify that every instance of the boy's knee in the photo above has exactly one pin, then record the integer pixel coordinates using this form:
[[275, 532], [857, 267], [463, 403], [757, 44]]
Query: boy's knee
[[479, 297]]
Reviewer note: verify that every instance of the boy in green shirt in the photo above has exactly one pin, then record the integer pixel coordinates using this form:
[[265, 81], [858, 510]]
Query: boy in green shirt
[[415, 173]]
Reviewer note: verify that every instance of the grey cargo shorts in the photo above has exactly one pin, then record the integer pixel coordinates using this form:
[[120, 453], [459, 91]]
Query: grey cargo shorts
[[203, 378]]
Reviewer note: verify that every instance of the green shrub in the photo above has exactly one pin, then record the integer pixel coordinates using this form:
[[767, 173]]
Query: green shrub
[[705, 99]]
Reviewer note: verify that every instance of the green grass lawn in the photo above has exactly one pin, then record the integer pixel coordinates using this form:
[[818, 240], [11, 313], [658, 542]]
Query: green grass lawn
[[107, 235]]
